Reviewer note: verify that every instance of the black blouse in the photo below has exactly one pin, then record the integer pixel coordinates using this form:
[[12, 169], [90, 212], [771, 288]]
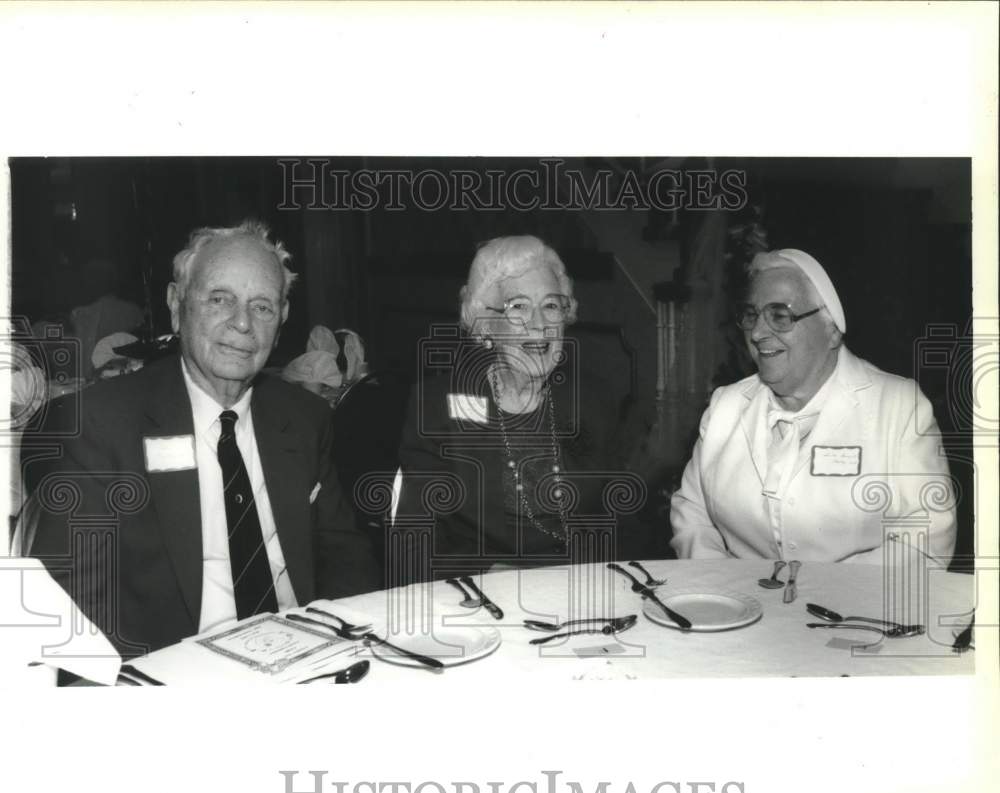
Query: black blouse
[[459, 493]]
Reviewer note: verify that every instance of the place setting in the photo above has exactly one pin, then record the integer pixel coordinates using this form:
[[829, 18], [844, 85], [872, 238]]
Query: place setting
[[692, 609], [432, 650]]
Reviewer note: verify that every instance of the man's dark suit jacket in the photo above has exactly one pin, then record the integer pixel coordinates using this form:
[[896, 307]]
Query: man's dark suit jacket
[[127, 543]]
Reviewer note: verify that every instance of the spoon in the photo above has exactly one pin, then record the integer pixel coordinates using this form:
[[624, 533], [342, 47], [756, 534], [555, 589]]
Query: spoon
[[832, 616], [891, 633], [351, 674], [468, 601], [650, 581], [538, 625], [495, 611], [773, 582], [616, 625]]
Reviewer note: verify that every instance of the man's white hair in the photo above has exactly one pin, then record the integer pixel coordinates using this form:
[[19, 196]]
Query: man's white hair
[[254, 229], [509, 257]]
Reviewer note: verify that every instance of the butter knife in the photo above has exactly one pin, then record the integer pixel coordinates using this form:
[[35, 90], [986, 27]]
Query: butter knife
[[790, 589], [641, 589], [491, 607]]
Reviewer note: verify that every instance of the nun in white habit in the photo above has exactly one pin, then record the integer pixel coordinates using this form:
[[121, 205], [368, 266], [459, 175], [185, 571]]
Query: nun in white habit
[[820, 455]]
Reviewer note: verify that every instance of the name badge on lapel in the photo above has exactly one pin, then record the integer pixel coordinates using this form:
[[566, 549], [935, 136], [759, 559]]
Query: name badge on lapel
[[836, 461], [171, 453], [468, 408]]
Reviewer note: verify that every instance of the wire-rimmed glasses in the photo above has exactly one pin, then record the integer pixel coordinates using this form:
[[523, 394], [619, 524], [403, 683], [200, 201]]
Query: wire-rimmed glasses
[[520, 309]]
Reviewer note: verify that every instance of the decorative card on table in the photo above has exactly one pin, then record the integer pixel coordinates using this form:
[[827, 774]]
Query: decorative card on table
[[269, 644]]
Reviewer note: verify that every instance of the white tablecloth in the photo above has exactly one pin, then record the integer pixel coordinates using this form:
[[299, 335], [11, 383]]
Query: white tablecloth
[[779, 644], [42, 629]]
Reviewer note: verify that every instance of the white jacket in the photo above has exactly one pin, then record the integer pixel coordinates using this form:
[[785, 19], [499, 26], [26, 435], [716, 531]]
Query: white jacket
[[876, 433]]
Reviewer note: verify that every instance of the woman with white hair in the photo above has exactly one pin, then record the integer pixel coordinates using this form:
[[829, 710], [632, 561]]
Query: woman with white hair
[[513, 438]]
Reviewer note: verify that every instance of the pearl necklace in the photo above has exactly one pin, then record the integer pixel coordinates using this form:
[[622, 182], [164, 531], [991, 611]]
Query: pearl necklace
[[557, 492]]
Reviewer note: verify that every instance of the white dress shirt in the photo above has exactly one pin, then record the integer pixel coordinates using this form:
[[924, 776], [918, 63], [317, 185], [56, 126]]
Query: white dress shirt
[[218, 605]]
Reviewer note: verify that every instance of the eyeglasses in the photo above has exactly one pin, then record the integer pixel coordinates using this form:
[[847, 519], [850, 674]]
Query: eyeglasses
[[519, 310], [779, 317]]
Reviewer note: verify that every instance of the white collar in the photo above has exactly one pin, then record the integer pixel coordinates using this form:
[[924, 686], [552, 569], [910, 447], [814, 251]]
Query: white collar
[[205, 409]]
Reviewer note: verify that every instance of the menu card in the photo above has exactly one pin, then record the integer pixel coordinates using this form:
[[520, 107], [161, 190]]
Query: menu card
[[269, 644]]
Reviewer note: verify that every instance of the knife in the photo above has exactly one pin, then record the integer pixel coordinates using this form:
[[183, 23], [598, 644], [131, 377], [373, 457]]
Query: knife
[[491, 607], [790, 589], [682, 622], [433, 663], [131, 671], [964, 640]]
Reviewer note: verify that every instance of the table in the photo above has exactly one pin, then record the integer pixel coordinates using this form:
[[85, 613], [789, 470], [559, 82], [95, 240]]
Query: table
[[779, 644]]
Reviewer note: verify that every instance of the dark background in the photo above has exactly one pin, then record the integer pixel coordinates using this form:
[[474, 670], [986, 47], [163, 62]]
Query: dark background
[[894, 235]]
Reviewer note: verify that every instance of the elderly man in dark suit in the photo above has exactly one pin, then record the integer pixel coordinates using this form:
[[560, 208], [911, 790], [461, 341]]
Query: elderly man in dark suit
[[220, 485]]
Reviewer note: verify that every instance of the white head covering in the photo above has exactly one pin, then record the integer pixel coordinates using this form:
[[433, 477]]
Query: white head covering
[[315, 366], [354, 354], [104, 350], [322, 338], [813, 270]]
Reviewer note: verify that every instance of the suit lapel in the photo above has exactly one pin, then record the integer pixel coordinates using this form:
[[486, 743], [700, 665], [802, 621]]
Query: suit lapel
[[282, 461], [176, 496], [841, 403], [754, 424]]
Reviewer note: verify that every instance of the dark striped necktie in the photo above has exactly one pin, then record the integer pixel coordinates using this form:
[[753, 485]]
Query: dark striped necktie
[[253, 587]]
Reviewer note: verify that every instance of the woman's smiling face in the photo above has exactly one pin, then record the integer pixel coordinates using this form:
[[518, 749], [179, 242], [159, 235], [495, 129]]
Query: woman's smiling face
[[534, 347], [797, 362]]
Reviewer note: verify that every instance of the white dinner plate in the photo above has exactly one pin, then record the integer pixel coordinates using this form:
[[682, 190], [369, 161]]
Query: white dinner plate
[[707, 610], [451, 646]]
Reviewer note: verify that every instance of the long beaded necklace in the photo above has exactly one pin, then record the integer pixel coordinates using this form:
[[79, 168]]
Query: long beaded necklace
[[556, 469]]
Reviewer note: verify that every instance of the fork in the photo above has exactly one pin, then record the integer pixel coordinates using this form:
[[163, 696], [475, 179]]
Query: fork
[[902, 631], [343, 634], [615, 626], [650, 581], [538, 625], [347, 626]]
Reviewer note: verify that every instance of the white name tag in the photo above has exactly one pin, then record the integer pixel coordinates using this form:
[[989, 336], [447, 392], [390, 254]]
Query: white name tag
[[836, 461], [173, 453], [468, 408]]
